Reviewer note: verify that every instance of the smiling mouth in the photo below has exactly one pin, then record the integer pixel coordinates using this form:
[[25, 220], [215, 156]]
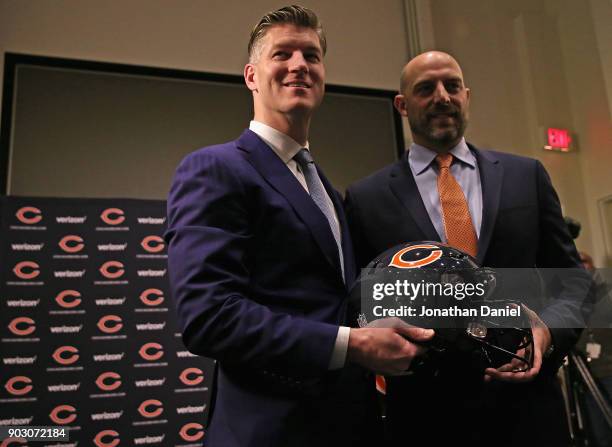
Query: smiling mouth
[[297, 84]]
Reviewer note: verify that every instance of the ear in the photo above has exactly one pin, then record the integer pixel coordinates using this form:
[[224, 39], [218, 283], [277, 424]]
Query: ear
[[400, 104], [468, 92], [249, 77]]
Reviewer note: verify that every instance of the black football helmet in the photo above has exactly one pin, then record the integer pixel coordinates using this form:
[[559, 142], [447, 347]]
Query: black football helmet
[[472, 342]]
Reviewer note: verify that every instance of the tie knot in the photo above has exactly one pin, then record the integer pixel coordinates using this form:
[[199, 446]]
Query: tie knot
[[303, 157], [444, 160]]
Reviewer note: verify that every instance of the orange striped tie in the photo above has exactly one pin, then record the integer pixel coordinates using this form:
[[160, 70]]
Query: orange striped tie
[[455, 211]]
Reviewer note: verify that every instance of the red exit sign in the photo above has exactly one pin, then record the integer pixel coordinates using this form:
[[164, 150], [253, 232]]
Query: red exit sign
[[558, 140]]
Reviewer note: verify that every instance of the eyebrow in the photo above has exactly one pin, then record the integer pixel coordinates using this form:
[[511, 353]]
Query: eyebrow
[[287, 44]]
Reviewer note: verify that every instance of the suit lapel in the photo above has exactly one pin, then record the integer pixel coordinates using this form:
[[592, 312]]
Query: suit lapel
[[347, 247], [491, 178], [276, 173], [404, 187]]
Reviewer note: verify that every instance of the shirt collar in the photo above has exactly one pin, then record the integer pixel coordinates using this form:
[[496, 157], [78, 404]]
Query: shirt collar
[[283, 145], [420, 157]]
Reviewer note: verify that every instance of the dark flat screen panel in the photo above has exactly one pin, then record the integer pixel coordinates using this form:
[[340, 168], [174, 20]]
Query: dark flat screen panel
[[91, 133]]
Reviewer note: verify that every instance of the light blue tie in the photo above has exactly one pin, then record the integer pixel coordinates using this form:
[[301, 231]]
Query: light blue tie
[[319, 196]]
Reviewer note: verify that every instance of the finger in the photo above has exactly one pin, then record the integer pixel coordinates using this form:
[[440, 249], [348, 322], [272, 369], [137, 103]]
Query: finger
[[529, 355], [507, 367], [530, 374], [389, 322], [396, 322], [520, 353], [537, 358], [502, 373], [519, 365], [537, 364], [514, 377], [409, 350], [416, 333], [527, 310]]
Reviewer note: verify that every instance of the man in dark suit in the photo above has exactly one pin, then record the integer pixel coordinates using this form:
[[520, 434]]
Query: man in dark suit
[[260, 262], [501, 209]]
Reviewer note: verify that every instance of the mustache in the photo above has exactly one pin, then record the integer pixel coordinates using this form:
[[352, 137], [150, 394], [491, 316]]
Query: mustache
[[449, 109]]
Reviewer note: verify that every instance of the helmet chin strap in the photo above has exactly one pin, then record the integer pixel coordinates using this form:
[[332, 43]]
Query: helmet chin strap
[[527, 345]]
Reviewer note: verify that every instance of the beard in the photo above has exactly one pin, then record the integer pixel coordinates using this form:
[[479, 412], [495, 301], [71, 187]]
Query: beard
[[426, 126]]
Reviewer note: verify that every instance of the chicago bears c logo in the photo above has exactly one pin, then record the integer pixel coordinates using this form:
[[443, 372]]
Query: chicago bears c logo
[[20, 389], [192, 431], [101, 439], [13, 441], [433, 256], [112, 216], [28, 215], [63, 420], [108, 381], [145, 410], [71, 243], [21, 270], [110, 324], [16, 326], [65, 355], [192, 376], [153, 244], [152, 297], [68, 298], [112, 269], [147, 355]]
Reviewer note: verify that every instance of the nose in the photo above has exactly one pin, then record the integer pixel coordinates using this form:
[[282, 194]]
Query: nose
[[298, 63], [440, 94]]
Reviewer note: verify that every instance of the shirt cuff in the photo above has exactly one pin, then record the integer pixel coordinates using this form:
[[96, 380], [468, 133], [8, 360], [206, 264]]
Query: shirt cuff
[[338, 357]]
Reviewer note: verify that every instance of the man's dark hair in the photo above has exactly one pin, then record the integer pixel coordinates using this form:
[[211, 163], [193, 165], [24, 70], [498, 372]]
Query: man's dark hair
[[293, 15]]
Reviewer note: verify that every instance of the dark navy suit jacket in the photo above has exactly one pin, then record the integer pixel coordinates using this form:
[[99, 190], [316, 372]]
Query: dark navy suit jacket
[[256, 278], [522, 227]]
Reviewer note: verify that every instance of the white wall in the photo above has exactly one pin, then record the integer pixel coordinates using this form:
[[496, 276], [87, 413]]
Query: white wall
[[586, 42], [366, 39]]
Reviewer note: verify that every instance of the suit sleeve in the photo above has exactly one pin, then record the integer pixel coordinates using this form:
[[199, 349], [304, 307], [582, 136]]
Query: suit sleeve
[[564, 315], [209, 234]]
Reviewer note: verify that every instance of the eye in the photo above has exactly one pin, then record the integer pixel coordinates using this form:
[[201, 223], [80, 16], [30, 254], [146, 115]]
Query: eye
[[423, 89], [280, 55], [312, 57], [453, 87]]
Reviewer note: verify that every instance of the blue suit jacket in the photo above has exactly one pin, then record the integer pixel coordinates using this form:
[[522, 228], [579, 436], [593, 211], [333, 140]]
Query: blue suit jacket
[[255, 274]]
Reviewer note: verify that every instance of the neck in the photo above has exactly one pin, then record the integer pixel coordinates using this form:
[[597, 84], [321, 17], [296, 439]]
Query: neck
[[436, 146], [296, 127]]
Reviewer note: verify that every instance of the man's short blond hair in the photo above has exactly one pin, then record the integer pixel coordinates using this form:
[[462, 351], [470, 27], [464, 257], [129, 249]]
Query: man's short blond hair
[[293, 15]]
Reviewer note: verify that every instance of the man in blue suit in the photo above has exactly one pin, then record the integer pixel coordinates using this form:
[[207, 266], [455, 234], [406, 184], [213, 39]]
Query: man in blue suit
[[260, 263], [504, 212]]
